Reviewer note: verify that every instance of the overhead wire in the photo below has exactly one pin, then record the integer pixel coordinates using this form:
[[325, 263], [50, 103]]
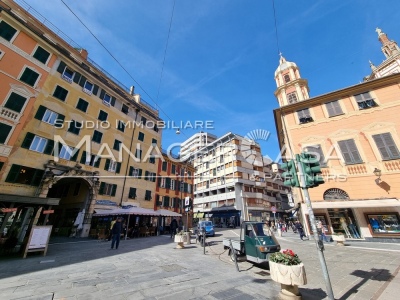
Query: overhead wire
[[117, 61]]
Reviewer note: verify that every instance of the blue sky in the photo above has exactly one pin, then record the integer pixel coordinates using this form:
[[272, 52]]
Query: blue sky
[[222, 54]]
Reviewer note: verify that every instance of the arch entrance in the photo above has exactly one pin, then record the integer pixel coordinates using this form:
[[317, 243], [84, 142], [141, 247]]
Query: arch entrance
[[78, 190]]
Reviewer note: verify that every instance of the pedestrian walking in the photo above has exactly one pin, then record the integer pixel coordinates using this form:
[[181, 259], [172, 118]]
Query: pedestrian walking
[[173, 226], [116, 233], [300, 230], [321, 229], [110, 231]]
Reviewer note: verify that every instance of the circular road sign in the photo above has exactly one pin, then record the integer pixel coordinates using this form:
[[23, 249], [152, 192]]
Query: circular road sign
[[273, 209]]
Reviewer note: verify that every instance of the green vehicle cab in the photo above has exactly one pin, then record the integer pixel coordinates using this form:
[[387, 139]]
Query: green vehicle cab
[[256, 242]]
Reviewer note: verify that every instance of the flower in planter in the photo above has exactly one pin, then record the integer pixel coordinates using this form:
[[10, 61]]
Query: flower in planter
[[285, 257]]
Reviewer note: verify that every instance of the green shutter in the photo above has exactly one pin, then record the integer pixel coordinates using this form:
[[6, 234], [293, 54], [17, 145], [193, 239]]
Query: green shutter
[[82, 81], [13, 174], [168, 183], [60, 120], [97, 163], [83, 158], [140, 173], [114, 189], [76, 78], [102, 93], [61, 67], [95, 90], [37, 177], [49, 147], [101, 189], [118, 169], [28, 140], [113, 101], [107, 164], [75, 157], [40, 112]]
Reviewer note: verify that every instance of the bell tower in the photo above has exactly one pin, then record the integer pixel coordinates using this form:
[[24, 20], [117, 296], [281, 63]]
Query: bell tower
[[291, 87], [389, 48]]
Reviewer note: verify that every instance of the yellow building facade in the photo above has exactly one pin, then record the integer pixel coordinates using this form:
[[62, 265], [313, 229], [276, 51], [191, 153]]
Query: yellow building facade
[[86, 141]]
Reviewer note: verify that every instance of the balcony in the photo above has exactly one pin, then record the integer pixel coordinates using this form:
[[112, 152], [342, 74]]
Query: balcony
[[9, 114], [5, 150]]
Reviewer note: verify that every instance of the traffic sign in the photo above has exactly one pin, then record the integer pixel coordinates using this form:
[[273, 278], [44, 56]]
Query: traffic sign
[[273, 209], [187, 201]]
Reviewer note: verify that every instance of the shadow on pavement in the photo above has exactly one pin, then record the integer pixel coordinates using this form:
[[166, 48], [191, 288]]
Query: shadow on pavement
[[312, 294], [374, 274]]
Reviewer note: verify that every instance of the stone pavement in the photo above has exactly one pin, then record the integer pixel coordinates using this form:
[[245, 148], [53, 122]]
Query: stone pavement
[[151, 268]]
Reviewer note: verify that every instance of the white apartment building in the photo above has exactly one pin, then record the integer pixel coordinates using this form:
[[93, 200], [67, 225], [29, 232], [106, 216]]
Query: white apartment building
[[196, 142], [231, 183]]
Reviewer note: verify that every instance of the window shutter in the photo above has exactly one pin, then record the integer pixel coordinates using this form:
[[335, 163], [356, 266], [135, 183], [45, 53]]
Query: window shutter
[[61, 67], [95, 89], [330, 108], [394, 152], [97, 163], [83, 157], [13, 174], [354, 151], [168, 183], [49, 147], [76, 78], [130, 171], [337, 108], [107, 164], [159, 182], [349, 151], [82, 81], [381, 146], [154, 177], [345, 151], [140, 173], [118, 168], [318, 150], [113, 99], [75, 157], [386, 146], [114, 189], [101, 189], [40, 112], [37, 177], [28, 140], [59, 121], [102, 93]]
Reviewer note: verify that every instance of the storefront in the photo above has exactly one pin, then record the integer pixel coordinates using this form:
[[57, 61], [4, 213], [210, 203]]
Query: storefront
[[371, 220]]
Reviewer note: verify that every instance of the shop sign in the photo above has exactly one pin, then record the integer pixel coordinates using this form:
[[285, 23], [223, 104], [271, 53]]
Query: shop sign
[[7, 210], [49, 211]]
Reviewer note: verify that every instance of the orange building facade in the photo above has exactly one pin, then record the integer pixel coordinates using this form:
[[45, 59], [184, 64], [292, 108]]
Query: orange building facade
[[355, 132]]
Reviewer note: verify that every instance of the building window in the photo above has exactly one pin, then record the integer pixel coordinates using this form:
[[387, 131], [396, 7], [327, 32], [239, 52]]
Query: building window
[[164, 166], [15, 102], [138, 153], [88, 87], [117, 145], [317, 150], [29, 77], [304, 116], [66, 152], [38, 144], [384, 223], [350, 152], [292, 97], [102, 115], [147, 195], [82, 105], [154, 142], [333, 108], [173, 169], [5, 130], [335, 194], [97, 136], [364, 100], [6, 31], [24, 175], [49, 116], [74, 127], [143, 121], [386, 146], [67, 75], [132, 193], [286, 77], [107, 99], [141, 136], [90, 160], [121, 126], [41, 55], [60, 93], [152, 160], [134, 172], [107, 189], [125, 109]]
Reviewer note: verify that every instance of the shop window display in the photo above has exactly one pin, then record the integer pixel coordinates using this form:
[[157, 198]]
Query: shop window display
[[384, 223]]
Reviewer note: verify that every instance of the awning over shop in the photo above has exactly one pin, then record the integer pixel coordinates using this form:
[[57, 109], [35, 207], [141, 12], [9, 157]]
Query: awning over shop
[[357, 203], [167, 213], [135, 211], [198, 215], [29, 199]]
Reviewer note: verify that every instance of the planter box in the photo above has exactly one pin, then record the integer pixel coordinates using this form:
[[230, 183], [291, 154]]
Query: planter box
[[288, 275], [180, 238], [339, 239]]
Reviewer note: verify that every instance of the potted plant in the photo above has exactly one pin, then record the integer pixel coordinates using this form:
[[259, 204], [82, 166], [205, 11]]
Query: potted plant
[[180, 238], [339, 238], [287, 269]]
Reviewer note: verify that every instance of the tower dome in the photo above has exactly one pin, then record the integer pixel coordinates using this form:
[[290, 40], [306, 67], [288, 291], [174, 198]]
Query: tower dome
[[284, 64]]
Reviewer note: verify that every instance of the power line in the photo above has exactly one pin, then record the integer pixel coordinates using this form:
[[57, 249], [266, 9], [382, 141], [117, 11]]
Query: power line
[[117, 61], [276, 28]]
